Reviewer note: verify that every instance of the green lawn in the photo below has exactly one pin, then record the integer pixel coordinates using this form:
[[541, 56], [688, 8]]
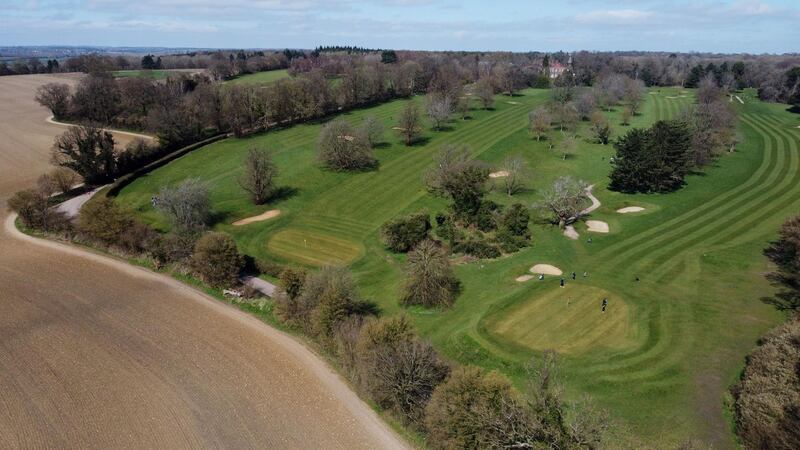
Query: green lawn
[[260, 77], [662, 356]]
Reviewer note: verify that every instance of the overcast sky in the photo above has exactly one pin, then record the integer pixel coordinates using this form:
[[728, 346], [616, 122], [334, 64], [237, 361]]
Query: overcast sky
[[767, 26]]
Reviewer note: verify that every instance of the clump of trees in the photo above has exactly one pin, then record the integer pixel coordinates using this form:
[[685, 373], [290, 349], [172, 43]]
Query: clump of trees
[[712, 123], [473, 224], [430, 280], [259, 175], [767, 397], [216, 259], [652, 160], [403, 234], [340, 148], [785, 254]]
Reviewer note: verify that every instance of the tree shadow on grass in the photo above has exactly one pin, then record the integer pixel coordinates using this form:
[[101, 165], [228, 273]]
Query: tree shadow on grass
[[283, 193], [420, 141], [382, 145]]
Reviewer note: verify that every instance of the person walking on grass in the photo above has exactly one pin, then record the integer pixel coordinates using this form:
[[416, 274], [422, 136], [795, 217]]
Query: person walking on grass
[[562, 281], [605, 303], [541, 277], [574, 275]]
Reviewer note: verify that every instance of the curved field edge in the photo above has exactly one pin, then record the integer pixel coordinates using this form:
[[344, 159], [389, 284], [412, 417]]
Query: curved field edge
[[262, 311], [696, 311]]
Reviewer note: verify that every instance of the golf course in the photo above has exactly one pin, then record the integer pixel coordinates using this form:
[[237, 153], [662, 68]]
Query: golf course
[[682, 273]]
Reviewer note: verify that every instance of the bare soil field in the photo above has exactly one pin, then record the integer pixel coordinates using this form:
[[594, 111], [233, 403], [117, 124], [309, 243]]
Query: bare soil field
[[95, 353]]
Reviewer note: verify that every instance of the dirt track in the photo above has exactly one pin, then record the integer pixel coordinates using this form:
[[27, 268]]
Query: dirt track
[[98, 354]]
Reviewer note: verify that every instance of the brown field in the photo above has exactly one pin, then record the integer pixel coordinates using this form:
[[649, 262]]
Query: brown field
[[95, 353]]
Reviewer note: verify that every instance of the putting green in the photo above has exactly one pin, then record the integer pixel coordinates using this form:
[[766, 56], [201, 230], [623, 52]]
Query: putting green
[[313, 248], [567, 320]]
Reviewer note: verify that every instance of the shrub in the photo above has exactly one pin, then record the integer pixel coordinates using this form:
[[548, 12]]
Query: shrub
[[396, 368], [478, 248], [768, 396], [292, 281], [403, 234], [174, 247], [217, 260], [270, 268], [340, 149], [476, 410], [31, 206], [103, 220], [430, 280], [186, 205], [446, 228], [485, 217], [515, 220], [64, 179]]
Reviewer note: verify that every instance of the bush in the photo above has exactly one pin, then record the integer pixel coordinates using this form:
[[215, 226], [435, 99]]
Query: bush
[[478, 248], [396, 368], [34, 210], [217, 260], [339, 148], [485, 216], [403, 234], [292, 281], [270, 268], [103, 220], [445, 228], [326, 298], [515, 220], [430, 280], [768, 396], [64, 179], [476, 410]]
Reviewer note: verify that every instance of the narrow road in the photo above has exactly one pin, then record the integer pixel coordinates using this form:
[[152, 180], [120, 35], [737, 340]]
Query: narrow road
[[95, 353]]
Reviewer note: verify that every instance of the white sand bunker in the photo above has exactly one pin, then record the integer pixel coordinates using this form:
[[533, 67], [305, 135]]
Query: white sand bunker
[[259, 218], [570, 232], [630, 209], [546, 269], [525, 278], [500, 174], [597, 226], [513, 103]]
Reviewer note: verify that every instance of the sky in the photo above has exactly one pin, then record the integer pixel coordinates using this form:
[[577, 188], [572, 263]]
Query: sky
[[725, 26]]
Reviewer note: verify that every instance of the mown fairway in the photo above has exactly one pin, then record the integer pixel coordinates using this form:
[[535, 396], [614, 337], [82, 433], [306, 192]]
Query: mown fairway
[[260, 77], [663, 354]]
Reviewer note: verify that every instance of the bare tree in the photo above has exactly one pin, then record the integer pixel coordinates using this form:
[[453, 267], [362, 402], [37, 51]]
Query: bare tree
[[409, 123], [484, 89], [462, 107], [516, 174], [600, 127], [65, 179], [634, 94], [187, 205], [340, 149], [55, 97], [626, 115], [585, 105], [540, 122], [448, 163], [440, 108], [371, 130], [564, 200], [430, 280], [259, 175]]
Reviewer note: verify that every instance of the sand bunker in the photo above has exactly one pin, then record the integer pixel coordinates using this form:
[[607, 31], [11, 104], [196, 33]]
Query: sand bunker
[[570, 232], [259, 218], [546, 269], [525, 278], [347, 138], [630, 209], [500, 174], [597, 226], [399, 128], [513, 103]]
